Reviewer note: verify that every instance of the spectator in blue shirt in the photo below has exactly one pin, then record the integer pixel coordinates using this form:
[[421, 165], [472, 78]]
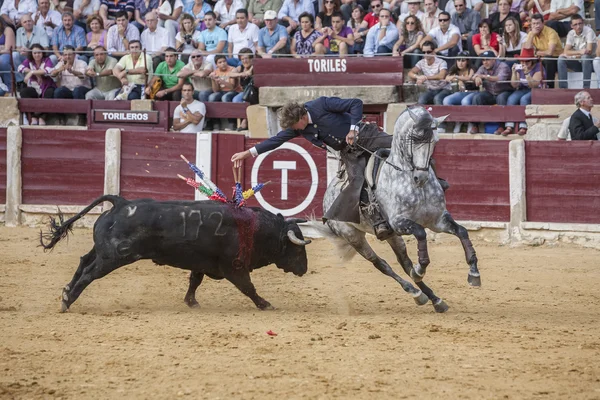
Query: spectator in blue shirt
[[289, 14], [68, 34], [198, 9], [109, 10], [382, 36], [213, 39], [273, 38]]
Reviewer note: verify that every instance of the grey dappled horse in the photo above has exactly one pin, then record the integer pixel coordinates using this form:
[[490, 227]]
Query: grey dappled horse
[[412, 199]]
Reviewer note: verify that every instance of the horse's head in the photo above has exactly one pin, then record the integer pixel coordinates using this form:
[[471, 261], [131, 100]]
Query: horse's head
[[415, 137]]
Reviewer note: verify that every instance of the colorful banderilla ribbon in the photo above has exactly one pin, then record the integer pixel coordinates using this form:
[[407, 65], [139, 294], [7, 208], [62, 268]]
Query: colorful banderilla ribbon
[[203, 189], [204, 178]]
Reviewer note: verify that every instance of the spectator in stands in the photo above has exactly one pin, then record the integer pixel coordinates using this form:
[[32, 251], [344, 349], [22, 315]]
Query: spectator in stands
[[339, 38], [198, 70], [226, 12], [37, 68], [83, 10], [579, 53], [372, 17], [527, 75], [188, 116], [168, 71], [47, 19], [307, 40], [242, 35], [101, 68], [414, 9], [497, 19], [97, 34], [561, 12], [119, 36], [27, 35], [257, 9], [133, 70], [461, 75], [410, 42], [323, 19], [485, 40], [109, 10], [290, 12], [493, 76], [7, 43], [467, 22], [244, 72], [538, 7], [143, 7], [198, 9], [12, 10], [155, 39], [168, 15], [70, 73], [583, 125], [357, 17], [382, 36], [431, 14], [547, 44], [68, 35], [517, 6], [447, 37], [187, 38], [512, 40], [475, 5], [213, 39], [431, 71], [224, 87], [273, 38]]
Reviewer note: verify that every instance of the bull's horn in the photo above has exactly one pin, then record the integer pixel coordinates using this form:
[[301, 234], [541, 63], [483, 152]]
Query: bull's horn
[[292, 236], [439, 120], [296, 220]]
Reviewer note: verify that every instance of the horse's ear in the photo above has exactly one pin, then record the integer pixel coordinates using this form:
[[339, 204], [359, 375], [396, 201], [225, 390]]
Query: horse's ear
[[412, 114], [439, 120]]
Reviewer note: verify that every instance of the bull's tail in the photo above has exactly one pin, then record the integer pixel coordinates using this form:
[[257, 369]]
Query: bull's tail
[[60, 229], [342, 247]]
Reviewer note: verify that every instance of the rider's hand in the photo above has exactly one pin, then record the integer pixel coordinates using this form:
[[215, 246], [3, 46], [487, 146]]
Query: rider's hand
[[237, 158], [350, 137]]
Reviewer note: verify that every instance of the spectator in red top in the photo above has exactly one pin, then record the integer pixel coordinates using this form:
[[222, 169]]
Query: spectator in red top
[[372, 18], [485, 40]]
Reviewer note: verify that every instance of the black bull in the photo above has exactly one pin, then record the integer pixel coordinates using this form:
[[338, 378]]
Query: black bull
[[206, 237]]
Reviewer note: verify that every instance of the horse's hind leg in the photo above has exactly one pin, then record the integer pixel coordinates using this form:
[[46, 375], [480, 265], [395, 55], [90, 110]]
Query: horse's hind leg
[[357, 240], [448, 225], [404, 226], [399, 247]]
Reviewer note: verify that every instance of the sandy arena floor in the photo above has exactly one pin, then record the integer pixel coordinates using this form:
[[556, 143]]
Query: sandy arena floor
[[344, 331]]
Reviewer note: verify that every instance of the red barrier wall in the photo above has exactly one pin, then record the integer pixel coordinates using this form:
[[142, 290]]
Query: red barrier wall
[[563, 181], [2, 165], [477, 171], [62, 167], [150, 163]]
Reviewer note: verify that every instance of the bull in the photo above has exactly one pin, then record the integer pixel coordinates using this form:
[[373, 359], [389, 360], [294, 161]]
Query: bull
[[209, 238]]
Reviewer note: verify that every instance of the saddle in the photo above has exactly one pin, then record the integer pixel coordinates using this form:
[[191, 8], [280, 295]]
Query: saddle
[[374, 165]]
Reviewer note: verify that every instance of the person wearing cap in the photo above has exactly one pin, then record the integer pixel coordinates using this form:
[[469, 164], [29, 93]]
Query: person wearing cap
[[579, 53], [290, 12], [431, 71], [547, 44], [382, 36], [273, 38], [414, 8], [527, 75], [430, 16], [493, 76], [583, 126], [447, 37]]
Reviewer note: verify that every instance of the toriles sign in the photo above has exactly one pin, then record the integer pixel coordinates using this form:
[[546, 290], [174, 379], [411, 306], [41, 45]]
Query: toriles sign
[[142, 117]]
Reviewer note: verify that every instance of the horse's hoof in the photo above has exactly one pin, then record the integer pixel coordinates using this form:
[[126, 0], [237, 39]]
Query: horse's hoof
[[63, 307], [421, 299], [194, 304], [414, 274], [474, 281], [440, 306], [267, 307]]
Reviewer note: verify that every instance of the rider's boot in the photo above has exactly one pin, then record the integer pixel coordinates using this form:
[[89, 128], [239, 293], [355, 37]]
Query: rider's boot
[[443, 183], [382, 229]]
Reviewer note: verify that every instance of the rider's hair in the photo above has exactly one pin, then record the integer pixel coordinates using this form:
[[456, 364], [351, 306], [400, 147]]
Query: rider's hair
[[291, 113]]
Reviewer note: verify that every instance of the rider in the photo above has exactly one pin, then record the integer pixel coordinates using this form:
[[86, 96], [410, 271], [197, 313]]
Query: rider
[[334, 122]]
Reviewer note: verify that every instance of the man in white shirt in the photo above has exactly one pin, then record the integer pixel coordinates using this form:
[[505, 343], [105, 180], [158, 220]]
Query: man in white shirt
[[73, 83], [291, 10], [430, 16], [12, 13], [447, 37], [561, 12], [27, 35], [156, 39], [578, 54], [243, 34], [46, 18], [226, 12], [414, 8], [119, 35], [198, 71], [188, 116]]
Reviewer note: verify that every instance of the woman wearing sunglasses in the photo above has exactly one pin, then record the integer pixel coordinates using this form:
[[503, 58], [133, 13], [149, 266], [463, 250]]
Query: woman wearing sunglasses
[[323, 19], [410, 41], [461, 74]]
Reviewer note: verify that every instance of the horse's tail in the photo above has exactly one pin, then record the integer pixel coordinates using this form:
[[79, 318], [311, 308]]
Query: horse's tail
[[60, 229], [343, 249]]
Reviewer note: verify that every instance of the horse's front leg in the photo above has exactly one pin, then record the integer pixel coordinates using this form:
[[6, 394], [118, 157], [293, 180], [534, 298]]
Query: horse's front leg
[[448, 225], [405, 226]]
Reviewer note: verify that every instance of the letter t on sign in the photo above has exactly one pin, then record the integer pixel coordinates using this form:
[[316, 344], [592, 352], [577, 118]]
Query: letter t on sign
[[284, 166]]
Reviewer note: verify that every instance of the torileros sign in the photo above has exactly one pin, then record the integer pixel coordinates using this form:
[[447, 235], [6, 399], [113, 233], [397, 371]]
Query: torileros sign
[[295, 179]]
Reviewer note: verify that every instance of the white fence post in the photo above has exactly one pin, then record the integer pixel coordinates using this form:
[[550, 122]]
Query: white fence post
[[203, 158], [517, 185], [14, 182], [112, 164]]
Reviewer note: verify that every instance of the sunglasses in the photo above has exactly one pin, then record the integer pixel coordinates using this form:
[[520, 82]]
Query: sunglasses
[[444, 20], [197, 56], [384, 16], [410, 23], [428, 52], [376, 6]]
